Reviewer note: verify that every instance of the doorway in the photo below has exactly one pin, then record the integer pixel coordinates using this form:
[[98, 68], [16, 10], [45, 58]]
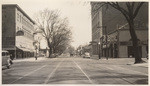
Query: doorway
[[131, 51]]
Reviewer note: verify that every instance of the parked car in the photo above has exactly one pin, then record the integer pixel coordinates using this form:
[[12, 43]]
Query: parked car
[[86, 55], [6, 61]]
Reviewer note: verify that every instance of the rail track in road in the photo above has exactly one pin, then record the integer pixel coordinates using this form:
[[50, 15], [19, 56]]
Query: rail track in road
[[72, 71]]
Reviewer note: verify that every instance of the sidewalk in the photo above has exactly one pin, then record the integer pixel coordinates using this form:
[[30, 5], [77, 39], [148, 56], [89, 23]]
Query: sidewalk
[[29, 59], [124, 61]]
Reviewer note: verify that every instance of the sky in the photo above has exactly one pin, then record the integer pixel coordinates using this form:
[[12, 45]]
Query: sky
[[77, 11]]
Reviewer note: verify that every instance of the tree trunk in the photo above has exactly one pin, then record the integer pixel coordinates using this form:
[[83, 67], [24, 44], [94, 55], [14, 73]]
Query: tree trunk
[[136, 48], [50, 51], [50, 48]]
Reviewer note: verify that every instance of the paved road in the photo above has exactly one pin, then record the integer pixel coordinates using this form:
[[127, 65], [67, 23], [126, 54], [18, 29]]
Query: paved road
[[74, 70]]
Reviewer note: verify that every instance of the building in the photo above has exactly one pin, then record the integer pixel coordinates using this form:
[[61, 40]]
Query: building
[[17, 31], [96, 17], [119, 43], [106, 20]]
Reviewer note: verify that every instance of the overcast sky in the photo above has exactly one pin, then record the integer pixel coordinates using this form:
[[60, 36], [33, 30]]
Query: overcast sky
[[77, 11]]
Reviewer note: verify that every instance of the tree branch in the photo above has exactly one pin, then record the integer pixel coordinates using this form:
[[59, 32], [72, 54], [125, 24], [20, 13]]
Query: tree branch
[[118, 7], [137, 9]]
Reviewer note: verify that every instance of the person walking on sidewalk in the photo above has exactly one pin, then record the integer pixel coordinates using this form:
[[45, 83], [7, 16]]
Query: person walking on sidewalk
[[147, 56], [35, 57]]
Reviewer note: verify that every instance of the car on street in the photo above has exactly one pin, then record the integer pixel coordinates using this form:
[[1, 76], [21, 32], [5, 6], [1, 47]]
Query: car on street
[[6, 61], [86, 55]]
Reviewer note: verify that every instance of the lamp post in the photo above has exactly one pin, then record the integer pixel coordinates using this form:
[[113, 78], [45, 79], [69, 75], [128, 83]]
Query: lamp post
[[106, 41], [99, 50], [36, 48]]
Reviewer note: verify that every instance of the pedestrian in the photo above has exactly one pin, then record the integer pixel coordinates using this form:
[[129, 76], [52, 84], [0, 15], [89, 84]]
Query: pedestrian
[[11, 58], [10, 61], [147, 56], [35, 57]]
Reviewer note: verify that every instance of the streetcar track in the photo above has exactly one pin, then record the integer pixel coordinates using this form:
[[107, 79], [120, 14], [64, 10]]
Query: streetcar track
[[113, 74], [28, 74], [100, 67], [52, 73], [83, 72]]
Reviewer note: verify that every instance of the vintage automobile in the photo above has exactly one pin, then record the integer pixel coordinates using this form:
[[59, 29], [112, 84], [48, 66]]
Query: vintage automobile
[[86, 55], [6, 61]]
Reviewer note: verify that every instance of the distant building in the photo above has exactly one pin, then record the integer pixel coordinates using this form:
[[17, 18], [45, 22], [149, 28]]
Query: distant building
[[107, 20], [17, 31]]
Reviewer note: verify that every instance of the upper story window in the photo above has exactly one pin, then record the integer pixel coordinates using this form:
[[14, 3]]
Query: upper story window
[[20, 33], [20, 18], [17, 28], [17, 16]]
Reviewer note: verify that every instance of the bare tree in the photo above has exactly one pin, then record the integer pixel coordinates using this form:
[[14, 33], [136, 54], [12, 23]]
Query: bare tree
[[62, 36], [129, 10], [53, 28]]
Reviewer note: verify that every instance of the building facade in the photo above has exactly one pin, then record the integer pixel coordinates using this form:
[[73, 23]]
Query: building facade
[[17, 31], [96, 30], [106, 20], [119, 44]]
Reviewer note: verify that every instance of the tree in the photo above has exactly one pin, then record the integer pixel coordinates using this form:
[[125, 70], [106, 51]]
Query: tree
[[70, 50], [62, 36], [54, 29], [129, 10]]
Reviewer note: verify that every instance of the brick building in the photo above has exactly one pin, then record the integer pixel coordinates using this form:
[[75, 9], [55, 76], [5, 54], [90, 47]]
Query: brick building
[[107, 20], [17, 31]]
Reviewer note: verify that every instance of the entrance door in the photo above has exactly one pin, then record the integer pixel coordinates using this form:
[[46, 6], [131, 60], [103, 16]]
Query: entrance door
[[131, 51]]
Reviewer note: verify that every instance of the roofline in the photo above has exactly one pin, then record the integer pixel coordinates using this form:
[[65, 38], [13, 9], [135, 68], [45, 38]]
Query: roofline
[[20, 10]]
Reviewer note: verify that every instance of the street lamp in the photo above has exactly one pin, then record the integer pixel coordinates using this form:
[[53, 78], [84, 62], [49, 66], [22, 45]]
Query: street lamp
[[36, 48], [99, 47], [106, 41]]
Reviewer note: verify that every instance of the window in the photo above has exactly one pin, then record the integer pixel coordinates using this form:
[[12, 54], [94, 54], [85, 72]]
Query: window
[[17, 16], [3, 53], [17, 28], [7, 53], [20, 18], [3, 7], [20, 33]]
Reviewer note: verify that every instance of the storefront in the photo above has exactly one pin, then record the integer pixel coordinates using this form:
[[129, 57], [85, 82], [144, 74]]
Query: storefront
[[24, 53]]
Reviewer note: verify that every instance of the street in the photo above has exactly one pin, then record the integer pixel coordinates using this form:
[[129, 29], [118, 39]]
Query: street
[[74, 70]]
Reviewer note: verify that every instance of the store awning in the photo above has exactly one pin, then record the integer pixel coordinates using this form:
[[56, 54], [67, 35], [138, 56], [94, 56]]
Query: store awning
[[24, 49]]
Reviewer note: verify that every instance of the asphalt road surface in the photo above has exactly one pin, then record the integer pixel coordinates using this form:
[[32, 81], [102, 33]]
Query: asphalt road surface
[[74, 70]]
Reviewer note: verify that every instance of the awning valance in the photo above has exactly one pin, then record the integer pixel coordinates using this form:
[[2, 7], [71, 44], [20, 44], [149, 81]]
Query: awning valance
[[24, 49]]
